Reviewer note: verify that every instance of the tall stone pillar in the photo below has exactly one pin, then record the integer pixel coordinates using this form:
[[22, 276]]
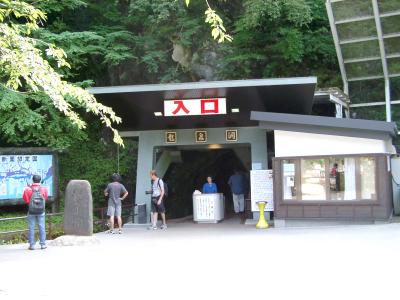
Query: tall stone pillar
[[78, 212]]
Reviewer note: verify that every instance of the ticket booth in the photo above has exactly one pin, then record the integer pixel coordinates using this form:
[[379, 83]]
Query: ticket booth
[[329, 170]]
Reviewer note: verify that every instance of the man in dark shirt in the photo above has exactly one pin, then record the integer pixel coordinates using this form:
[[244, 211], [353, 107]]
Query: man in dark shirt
[[237, 183], [116, 192]]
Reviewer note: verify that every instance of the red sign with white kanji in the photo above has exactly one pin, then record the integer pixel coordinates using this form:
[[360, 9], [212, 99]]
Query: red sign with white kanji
[[195, 107]]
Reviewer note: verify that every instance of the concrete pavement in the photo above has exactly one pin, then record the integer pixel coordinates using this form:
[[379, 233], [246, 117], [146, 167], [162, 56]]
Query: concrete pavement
[[212, 261]]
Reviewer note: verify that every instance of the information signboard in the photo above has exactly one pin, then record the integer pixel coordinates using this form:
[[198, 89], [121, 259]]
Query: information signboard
[[16, 173], [262, 189], [205, 208]]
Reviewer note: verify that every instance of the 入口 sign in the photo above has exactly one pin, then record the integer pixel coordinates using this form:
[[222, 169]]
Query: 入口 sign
[[195, 107]]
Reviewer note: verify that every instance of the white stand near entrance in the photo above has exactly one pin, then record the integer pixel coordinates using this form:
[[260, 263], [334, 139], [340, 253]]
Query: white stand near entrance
[[208, 208]]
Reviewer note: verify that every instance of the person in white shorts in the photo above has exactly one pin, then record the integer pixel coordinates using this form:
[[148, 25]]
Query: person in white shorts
[[116, 192]]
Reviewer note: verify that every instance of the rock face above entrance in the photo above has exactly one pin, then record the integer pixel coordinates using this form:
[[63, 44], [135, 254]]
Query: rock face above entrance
[[78, 213]]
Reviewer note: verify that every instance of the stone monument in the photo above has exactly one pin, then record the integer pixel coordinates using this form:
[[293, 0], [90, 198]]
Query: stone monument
[[78, 212]]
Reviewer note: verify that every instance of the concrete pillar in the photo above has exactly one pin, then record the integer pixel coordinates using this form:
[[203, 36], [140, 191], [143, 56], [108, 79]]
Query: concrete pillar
[[144, 166], [259, 148]]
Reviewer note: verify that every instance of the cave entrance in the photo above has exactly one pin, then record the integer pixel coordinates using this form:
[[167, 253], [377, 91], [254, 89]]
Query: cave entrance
[[186, 168]]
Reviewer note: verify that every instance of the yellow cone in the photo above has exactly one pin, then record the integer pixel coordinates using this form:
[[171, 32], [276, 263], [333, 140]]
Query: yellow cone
[[261, 221]]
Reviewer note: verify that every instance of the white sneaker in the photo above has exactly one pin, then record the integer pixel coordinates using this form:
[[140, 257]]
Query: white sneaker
[[164, 226]]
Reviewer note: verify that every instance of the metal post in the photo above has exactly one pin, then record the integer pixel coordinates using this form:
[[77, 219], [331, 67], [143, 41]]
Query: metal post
[[335, 35], [387, 100], [383, 58], [49, 220]]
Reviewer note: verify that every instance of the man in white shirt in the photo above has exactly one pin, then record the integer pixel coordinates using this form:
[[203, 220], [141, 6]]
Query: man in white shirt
[[157, 200]]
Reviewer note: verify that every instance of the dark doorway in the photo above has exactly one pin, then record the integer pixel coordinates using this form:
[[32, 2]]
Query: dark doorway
[[190, 171]]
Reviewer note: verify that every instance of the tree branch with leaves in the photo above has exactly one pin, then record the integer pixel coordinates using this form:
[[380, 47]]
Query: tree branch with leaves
[[25, 68], [218, 31]]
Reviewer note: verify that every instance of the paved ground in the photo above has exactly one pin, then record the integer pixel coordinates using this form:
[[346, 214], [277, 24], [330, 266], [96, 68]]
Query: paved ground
[[221, 261]]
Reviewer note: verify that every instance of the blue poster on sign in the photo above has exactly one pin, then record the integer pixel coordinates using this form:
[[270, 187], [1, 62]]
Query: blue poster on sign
[[16, 173]]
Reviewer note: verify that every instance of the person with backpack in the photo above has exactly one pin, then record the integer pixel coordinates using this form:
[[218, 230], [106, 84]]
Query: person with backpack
[[116, 192], [158, 194], [36, 196]]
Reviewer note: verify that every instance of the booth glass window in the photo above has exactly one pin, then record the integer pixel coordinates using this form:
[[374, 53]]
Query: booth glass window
[[289, 180], [367, 178], [333, 178], [313, 179], [342, 178]]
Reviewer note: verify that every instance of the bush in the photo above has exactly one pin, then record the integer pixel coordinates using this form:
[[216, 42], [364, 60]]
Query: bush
[[96, 161]]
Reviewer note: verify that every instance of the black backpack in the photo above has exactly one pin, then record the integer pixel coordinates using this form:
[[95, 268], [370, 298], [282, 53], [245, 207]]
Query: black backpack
[[37, 202], [165, 188]]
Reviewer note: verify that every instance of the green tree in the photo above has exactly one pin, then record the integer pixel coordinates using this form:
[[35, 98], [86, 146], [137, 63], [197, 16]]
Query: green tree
[[29, 84], [96, 161], [277, 38], [139, 41]]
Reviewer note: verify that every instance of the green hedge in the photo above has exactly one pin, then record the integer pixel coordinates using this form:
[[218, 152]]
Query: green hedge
[[96, 161]]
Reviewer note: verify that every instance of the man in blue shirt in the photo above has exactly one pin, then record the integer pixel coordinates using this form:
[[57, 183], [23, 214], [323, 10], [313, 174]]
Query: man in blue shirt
[[210, 187], [237, 183]]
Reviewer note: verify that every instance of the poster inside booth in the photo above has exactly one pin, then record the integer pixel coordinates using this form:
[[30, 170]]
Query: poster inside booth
[[16, 173], [262, 189]]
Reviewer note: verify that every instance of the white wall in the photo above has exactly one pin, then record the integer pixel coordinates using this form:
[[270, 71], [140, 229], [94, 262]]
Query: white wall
[[289, 143]]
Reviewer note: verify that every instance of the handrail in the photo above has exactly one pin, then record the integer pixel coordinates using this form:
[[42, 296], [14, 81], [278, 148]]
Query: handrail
[[49, 215], [24, 217]]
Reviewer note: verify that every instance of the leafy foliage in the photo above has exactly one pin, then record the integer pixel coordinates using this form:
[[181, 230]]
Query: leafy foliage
[[24, 68], [138, 38], [132, 41], [218, 31], [31, 119], [58, 6], [96, 161], [275, 38]]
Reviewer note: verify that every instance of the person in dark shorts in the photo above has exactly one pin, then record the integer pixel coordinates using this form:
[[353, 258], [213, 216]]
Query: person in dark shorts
[[116, 192], [157, 200]]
